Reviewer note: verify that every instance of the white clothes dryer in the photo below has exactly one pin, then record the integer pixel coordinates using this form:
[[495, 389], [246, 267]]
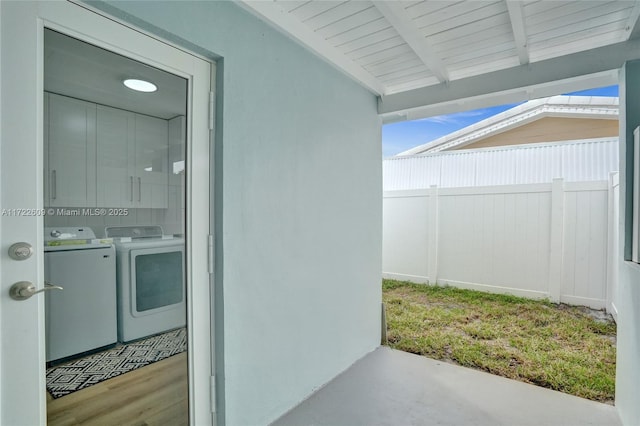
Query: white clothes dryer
[[150, 271]]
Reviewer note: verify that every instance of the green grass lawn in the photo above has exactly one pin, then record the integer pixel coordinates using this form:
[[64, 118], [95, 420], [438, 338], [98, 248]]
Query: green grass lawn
[[556, 346]]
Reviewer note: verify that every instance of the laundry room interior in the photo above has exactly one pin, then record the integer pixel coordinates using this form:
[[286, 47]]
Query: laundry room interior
[[114, 226], [102, 169]]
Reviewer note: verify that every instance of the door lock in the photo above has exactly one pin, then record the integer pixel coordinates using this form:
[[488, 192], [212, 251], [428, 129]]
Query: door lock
[[22, 290], [20, 251]]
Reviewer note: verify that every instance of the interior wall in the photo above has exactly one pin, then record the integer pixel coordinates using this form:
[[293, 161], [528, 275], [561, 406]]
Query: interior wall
[[628, 355], [301, 207]]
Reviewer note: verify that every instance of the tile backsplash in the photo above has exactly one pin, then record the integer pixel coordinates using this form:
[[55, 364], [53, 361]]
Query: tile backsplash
[[171, 220]]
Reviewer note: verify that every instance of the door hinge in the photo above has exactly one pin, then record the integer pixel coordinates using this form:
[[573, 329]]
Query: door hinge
[[212, 109], [210, 253], [213, 394]]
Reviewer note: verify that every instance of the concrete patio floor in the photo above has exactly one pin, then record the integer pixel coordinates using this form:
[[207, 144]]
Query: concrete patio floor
[[389, 387]]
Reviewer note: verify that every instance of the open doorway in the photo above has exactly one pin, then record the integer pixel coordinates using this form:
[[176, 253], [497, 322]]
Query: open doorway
[[114, 233]]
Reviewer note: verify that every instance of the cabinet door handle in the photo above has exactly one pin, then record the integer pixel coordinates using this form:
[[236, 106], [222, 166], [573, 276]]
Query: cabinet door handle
[[139, 188], [131, 182], [54, 185]]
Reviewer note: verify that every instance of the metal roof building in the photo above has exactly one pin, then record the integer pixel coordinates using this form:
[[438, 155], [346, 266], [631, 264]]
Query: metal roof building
[[569, 150], [569, 107]]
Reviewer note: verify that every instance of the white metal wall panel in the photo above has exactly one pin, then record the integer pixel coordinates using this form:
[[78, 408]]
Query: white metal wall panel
[[538, 164], [396, 173], [589, 161], [457, 170], [577, 161], [427, 173], [484, 164], [492, 169], [391, 170]]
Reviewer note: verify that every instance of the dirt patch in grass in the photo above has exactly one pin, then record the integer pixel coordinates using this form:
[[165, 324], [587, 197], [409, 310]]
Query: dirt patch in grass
[[561, 347]]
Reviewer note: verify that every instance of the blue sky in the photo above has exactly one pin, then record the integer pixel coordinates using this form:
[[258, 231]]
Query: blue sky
[[398, 137]]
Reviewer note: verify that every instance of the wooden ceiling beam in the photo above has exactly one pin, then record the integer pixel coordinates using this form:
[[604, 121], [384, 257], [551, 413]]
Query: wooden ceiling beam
[[516, 16], [283, 21], [578, 71], [395, 13]]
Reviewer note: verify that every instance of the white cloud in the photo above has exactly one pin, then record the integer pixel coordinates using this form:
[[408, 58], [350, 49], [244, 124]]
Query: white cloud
[[458, 117]]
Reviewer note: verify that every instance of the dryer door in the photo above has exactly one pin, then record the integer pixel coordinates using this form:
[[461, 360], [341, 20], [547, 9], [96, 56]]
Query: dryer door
[[157, 280]]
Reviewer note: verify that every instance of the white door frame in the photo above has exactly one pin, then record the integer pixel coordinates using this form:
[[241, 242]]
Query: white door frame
[[22, 357]]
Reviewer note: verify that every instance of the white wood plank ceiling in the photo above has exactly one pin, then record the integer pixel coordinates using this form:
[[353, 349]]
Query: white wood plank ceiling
[[396, 47]]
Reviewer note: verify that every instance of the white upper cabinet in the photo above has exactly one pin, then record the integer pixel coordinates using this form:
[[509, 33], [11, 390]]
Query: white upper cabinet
[[116, 139], [151, 165], [70, 167], [132, 159], [177, 134], [100, 156]]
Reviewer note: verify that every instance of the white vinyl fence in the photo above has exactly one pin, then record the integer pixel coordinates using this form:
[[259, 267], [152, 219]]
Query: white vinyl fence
[[534, 240]]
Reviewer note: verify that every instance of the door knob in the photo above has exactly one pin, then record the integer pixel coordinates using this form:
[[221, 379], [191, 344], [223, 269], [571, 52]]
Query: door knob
[[22, 290]]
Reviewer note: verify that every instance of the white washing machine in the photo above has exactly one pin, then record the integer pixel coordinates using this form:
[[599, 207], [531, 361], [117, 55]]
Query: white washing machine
[[151, 286], [81, 317]]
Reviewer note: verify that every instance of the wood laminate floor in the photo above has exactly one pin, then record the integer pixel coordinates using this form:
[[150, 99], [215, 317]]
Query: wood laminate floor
[[151, 395]]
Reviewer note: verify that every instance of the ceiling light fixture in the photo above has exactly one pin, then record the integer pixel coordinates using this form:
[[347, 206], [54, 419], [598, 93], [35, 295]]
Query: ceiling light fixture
[[140, 85]]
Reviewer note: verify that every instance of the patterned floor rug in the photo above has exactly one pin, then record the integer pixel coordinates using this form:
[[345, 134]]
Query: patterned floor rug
[[82, 373]]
